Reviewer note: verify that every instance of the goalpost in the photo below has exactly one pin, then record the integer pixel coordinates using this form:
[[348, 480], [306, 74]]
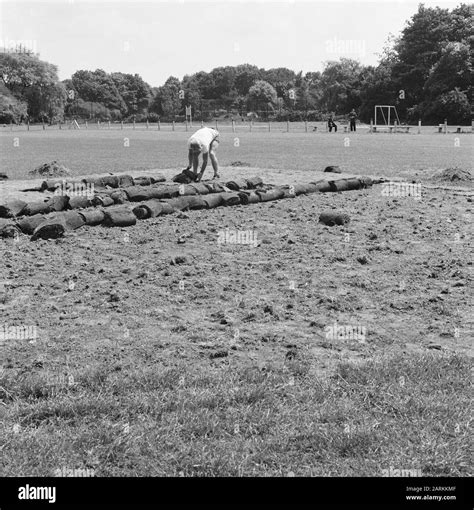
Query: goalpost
[[385, 117], [189, 115]]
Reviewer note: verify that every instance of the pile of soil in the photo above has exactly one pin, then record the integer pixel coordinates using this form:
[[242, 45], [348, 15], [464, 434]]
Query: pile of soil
[[453, 174], [53, 169], [239, 163], [333, 169]]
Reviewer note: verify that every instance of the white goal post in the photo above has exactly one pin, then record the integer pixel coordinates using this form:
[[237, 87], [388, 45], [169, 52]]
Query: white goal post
[[385, 116]]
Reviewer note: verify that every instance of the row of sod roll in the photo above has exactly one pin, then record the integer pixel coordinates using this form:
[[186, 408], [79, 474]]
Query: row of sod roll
[[121, 200]]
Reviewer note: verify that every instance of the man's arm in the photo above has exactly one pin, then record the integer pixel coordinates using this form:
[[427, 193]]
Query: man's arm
[[212, 155], [203, 167], [215, 164], [190, 159]]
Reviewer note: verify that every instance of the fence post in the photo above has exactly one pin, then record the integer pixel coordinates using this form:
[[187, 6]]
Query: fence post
[[233, 126], [147, 124], [216, 124], [109, 124], [159, 125], [98, 124], [172, 126], [28, 125], [269, 128], [87, 126], [472, 126], [305, 126], [59, 122], [133, 123], [43, 126], [287, 126], [121, 124], [419, 126], [371, 129], [202, 123], [250, 125], [445, 126]]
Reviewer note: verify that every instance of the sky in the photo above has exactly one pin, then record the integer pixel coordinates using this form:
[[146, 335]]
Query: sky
[[159, 38]]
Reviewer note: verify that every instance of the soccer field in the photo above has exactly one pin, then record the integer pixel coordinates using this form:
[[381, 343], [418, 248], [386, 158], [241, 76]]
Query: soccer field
[[96, 151]]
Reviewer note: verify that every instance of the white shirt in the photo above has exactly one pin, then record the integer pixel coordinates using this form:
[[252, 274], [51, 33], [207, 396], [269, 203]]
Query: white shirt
[[204, 137]]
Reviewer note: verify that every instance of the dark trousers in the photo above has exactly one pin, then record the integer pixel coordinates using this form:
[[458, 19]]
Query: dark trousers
[[332, 126], [353, 125]]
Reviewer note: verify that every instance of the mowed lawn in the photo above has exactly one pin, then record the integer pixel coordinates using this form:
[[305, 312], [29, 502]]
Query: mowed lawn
[[95, 151], [406, 412]]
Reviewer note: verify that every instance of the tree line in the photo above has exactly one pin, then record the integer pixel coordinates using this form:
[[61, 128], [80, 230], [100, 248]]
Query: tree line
[[426, 72]]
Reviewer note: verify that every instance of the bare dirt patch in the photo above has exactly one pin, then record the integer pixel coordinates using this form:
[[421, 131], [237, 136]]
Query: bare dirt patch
[[183, 348]]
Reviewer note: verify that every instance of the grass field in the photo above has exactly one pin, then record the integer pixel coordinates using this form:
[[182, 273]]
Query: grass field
[[241, 421], [163, 352], [95, 151]]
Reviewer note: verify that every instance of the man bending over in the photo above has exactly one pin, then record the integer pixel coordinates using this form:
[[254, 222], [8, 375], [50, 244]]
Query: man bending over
[[205, 141]]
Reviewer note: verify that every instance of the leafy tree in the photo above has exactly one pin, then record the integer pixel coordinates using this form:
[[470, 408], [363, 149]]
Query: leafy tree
[[281, 78], [11, 109], [223, 78], [340, 83], [167, 101], [418, 49], [246, 76], [206, 84], [262, 95], [99, 87], [98, 111], [454, 69], [46, 101], [377, 87], [424, 42], [34, 82], [239, 104], [135, 92], [86, 85], [453, 106], [192, 93], [315, 92]]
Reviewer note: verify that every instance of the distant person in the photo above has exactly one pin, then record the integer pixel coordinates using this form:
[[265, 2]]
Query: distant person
[[332, 124], [205, 141], [352, 119]]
